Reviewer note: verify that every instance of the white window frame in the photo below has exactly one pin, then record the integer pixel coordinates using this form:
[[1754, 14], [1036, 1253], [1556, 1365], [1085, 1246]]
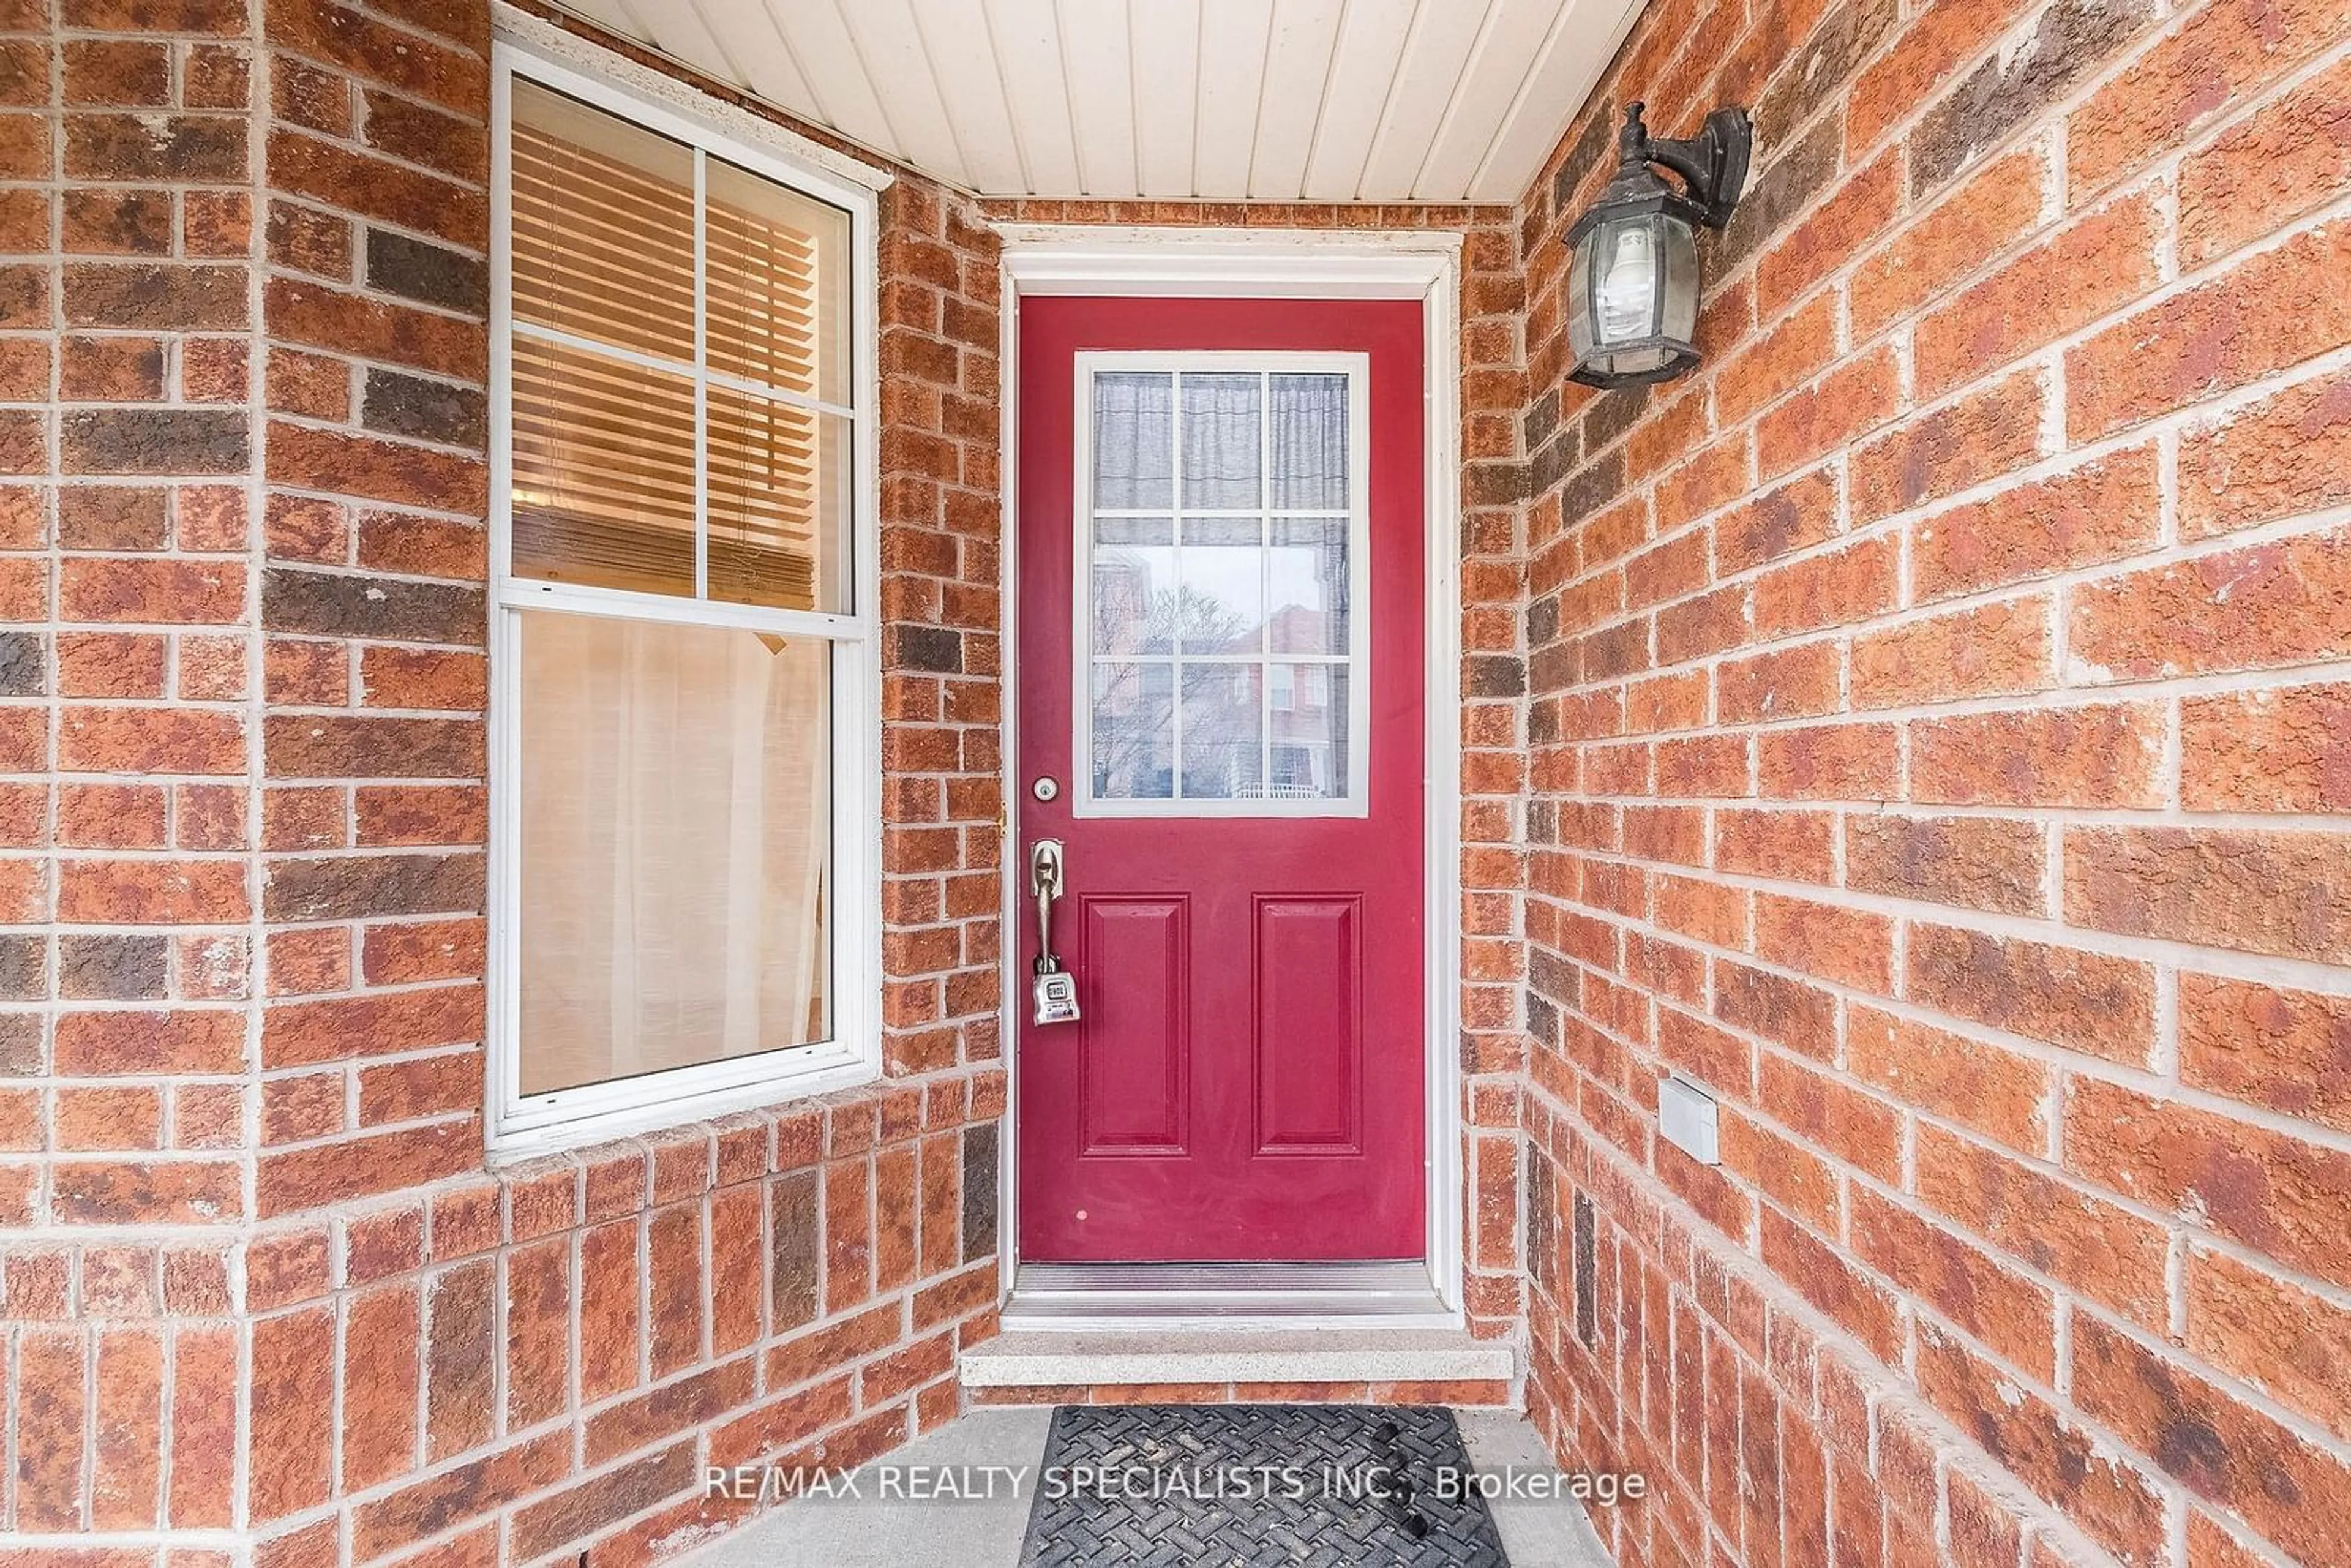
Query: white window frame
[[520, 1125], [1357, 658]]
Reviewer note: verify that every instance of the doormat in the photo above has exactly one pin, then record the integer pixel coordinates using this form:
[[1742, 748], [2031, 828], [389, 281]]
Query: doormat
[[1252, 1486]]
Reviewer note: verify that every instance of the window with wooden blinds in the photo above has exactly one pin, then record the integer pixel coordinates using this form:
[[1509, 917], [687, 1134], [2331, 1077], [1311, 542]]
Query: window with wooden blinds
[[680, 367], [686, 710]]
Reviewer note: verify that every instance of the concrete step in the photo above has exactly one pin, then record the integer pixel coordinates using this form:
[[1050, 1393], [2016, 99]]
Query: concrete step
[[1371, 1357]]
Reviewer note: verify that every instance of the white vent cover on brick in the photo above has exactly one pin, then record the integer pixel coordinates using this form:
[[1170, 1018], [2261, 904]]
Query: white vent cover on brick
[[1686, 1117]]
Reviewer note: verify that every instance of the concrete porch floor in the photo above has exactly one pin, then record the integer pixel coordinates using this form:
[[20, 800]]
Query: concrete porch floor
[[868, 1532]]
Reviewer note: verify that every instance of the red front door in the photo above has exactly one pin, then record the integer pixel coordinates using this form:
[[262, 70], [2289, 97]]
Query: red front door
[[1221, 719]]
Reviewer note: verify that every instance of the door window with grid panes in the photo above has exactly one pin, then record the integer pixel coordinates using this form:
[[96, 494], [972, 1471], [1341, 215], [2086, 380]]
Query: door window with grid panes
[[1222, 628]]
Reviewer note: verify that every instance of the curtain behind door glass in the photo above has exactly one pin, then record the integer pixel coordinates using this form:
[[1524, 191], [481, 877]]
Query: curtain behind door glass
[[1309, 442], [1134, 440]]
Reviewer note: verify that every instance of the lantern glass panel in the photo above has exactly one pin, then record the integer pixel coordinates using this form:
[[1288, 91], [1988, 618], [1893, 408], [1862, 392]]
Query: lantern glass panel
[[1633, 295], [1678, 243], [1579, 300], [1638, 362], [1629, 276]]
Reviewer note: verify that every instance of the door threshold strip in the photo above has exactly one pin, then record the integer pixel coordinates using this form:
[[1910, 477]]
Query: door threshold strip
[[1068, 1295], [1385, 1354]]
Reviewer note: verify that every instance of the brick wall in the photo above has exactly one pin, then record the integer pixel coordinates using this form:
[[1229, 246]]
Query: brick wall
[[127, 686], [265, 1299], [263, 1294], [1938, 741], [1917, 725], [546, 1356]]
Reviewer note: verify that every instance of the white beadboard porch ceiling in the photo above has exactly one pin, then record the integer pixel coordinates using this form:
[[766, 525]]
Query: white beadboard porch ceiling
[[1326, 100]]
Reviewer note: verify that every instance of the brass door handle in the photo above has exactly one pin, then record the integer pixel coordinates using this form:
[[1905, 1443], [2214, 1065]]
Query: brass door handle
[[1045, 881], [1056, 990]]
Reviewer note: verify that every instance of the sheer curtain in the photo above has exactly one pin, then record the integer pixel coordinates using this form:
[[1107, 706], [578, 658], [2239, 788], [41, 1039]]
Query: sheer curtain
[[1309, 442], [1224, 440], [674, 860], [1134, 437]]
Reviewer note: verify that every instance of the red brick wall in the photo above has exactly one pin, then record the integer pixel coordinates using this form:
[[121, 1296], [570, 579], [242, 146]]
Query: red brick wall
[[260, 1285], [1917, 725], [1938, 740], [128, 757], [533, 1358], [263, 1289]]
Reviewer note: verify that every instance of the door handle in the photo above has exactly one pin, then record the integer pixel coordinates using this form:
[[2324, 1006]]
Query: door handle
[[1055, 988]]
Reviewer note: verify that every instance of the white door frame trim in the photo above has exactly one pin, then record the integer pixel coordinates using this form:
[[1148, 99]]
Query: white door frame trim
[[1320, 264]]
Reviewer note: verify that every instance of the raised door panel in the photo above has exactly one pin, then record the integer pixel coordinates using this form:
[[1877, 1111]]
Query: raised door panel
[[1134, 1081], [1309, 1025]]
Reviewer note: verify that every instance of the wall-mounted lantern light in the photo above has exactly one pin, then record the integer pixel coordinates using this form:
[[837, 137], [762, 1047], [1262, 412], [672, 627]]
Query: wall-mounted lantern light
[[1632, 275]]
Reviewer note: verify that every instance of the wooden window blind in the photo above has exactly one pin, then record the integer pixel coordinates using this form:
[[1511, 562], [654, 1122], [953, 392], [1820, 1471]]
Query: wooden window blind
[[680, 367]]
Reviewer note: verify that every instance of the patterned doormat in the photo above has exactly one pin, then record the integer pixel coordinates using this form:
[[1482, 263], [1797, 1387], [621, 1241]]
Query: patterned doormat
[[1252, 1486]]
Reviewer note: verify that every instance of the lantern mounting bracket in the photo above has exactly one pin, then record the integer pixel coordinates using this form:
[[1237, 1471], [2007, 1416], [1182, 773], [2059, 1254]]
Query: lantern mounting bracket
[[1712, 164]]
